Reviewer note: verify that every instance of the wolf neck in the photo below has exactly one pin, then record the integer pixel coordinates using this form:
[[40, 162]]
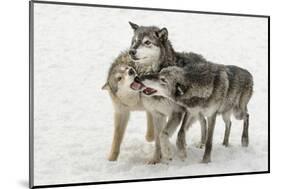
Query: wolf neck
[[167, 58], [168, 55]]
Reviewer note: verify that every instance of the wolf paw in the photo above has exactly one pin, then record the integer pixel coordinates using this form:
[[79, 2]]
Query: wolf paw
[[166, 147], [200, 145], [245, 142], [225, 143], [167, 152], [149, 138], [182, 154], [153, 161], [206, 159], [113, 156]]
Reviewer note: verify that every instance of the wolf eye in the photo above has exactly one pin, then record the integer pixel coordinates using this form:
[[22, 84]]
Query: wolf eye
[[163, 80], [147, 42], [119, 78]]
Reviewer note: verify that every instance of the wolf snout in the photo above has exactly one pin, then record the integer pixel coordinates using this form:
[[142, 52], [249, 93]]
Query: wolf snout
[[137, 79], [131, 72], [132, 52]]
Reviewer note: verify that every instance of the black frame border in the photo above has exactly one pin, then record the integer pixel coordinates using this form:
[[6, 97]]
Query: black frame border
[[31, 93]]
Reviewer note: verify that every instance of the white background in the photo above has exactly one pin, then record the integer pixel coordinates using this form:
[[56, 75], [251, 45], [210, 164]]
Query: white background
[[73, 124], [14, 93]]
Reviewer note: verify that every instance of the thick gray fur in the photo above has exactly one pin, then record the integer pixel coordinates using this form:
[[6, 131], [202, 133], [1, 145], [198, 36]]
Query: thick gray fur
[[208, 89], [157, 108], [168, 57]]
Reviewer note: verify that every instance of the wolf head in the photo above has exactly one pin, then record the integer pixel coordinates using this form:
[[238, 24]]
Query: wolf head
[[147, 43], [176, 83], [166, 83], [120, 81], [120, 77]]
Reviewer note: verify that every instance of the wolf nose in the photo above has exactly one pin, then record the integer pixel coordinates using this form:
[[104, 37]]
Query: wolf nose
[[132, 52], [137, 79], [131, 72]]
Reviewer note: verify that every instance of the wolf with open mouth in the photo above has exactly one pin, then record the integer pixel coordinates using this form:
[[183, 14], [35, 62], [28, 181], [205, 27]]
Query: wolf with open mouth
[[150, 51], [205, 88], [126, 98]]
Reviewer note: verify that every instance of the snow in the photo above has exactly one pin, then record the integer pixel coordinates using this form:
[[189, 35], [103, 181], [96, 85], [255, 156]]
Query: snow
[[73, 117]]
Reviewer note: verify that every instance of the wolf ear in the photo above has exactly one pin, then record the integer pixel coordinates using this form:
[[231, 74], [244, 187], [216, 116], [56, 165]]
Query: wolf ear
[[134, 26], [105, 86], [162, 34]]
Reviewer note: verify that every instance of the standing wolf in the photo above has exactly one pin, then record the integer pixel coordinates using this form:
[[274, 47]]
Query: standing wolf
[[125, 99], [208, 89], [150, 51]]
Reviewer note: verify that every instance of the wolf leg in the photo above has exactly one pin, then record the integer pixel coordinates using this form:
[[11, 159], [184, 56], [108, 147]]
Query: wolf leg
[[245, 134], [181, 142], [245, 97], [173, 122], [203, 124], [208, 148], [227, 121], [150, 128], [120, 124], [158, 121]]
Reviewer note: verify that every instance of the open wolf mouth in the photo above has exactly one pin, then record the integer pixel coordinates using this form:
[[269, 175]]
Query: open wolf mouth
[[136, 85], [149, 91]]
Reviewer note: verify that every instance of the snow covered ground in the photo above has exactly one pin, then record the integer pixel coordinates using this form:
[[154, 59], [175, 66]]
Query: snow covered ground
[[73, 126]]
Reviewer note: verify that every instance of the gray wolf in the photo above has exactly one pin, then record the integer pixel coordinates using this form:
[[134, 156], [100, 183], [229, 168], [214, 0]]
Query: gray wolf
[[150, 51], [208, 89], [124, 101], [145, 55], [119, 85]]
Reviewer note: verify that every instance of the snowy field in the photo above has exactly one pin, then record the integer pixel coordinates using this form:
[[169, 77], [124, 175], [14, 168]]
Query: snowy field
[[73, 126]]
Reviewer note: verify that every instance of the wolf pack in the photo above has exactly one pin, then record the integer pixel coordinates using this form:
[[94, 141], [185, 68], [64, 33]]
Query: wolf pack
[[175, 89]]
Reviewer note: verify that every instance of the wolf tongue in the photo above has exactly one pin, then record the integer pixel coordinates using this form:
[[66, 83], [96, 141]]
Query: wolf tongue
[[136, 85], [149, 91]]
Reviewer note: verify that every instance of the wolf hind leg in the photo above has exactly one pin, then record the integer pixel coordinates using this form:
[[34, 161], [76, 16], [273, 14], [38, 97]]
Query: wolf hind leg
[[242, 114], [245, 98], [245, 133], [209, 142], [226, 118]]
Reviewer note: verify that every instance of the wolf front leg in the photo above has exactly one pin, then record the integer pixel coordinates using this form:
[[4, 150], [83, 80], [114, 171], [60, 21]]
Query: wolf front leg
[[187, 121], [209, 143], [120, 124], [168, 130], [150, 128], [158, 121]]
